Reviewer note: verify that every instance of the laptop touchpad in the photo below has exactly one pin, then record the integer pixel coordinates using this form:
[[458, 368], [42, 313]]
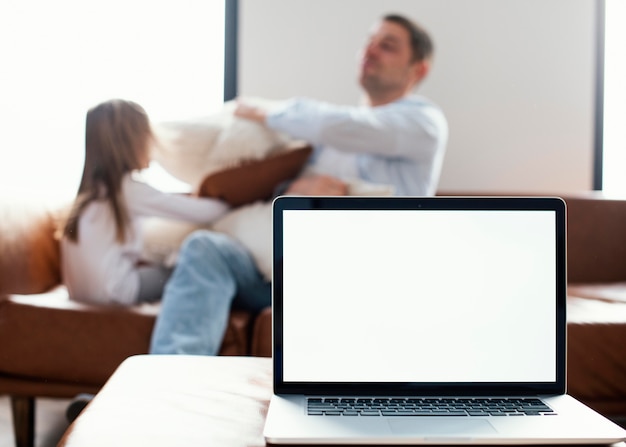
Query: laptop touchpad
[[441, 427]]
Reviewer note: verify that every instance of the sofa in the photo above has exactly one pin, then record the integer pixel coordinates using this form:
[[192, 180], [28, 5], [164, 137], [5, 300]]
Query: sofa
[[54, 347]]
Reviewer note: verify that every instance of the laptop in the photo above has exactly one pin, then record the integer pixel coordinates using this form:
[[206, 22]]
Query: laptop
[[401, 320]]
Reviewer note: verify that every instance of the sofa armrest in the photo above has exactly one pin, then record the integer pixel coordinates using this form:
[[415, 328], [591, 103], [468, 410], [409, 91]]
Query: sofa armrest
[[30, 254]]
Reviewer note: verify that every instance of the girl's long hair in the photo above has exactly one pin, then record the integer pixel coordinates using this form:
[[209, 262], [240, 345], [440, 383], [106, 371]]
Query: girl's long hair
[[117, 141]]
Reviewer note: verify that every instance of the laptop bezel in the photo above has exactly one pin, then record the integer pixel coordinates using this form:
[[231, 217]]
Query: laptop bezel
[[508, 203]]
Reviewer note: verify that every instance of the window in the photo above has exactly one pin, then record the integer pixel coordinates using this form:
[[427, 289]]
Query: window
[[60, 58], [613, 153]]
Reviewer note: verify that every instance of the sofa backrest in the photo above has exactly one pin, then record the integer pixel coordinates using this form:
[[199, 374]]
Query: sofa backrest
[[596, 239]]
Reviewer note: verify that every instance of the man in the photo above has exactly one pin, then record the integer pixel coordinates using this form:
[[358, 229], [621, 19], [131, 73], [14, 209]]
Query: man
[[395, 139]]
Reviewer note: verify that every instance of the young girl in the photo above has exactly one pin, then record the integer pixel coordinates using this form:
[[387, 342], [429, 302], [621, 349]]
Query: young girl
[[101, 241]]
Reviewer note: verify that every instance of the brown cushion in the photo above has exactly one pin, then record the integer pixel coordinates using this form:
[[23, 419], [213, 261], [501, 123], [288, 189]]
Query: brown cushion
[[254, 180]]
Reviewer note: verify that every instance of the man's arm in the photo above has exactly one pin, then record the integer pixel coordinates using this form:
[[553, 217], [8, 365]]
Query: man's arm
[[317, 185], [309, 185], [405, 128]]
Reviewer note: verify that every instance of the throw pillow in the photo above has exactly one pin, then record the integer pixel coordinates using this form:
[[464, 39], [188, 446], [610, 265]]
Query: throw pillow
[[254, 180]]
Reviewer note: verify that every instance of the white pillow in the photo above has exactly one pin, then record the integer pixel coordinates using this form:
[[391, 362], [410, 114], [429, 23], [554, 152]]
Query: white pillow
[[191, 149], [252, 226], [162, 239]]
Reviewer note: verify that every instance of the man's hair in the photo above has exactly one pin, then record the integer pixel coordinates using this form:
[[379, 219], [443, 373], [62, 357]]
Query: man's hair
[[421, 43]]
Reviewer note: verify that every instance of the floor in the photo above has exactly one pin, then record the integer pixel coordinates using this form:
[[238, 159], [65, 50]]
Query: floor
[[50, 422]]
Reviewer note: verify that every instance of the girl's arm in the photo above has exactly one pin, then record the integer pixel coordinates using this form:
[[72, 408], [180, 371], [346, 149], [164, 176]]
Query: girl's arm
[[144, 200]]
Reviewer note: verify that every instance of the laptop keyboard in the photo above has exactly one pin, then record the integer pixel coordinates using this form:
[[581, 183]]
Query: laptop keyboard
[[317, 406]]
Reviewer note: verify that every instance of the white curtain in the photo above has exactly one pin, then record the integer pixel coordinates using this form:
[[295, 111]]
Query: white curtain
[[614, 148]]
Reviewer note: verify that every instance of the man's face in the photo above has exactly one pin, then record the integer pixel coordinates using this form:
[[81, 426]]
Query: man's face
[[386, 64]]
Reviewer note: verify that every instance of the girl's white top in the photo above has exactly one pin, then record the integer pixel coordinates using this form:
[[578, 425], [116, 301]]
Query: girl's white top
[[98, 268]]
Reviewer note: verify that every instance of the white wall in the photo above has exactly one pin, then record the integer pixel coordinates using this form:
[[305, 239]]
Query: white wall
[[514, 77]]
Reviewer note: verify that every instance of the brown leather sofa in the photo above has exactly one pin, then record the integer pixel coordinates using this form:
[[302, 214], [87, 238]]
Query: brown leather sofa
[[53, 347]]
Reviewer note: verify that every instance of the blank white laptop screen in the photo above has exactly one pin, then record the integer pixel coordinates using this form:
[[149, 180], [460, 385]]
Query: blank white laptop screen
[[419, 296]]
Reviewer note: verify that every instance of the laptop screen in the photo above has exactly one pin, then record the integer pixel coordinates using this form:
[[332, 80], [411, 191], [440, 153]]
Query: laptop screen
[[438, 291]]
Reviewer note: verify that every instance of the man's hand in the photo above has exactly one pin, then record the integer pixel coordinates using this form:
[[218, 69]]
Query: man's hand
[[250, 112], [318, 185]]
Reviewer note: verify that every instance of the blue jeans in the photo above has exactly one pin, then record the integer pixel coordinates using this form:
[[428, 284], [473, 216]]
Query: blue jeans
[[213, 273]]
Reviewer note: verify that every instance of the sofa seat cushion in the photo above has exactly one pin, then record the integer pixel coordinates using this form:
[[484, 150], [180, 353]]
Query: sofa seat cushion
[[49, 337], [597, 352]]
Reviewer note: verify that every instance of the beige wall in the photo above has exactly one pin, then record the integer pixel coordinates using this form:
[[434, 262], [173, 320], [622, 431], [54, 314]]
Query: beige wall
[[514, 77]]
